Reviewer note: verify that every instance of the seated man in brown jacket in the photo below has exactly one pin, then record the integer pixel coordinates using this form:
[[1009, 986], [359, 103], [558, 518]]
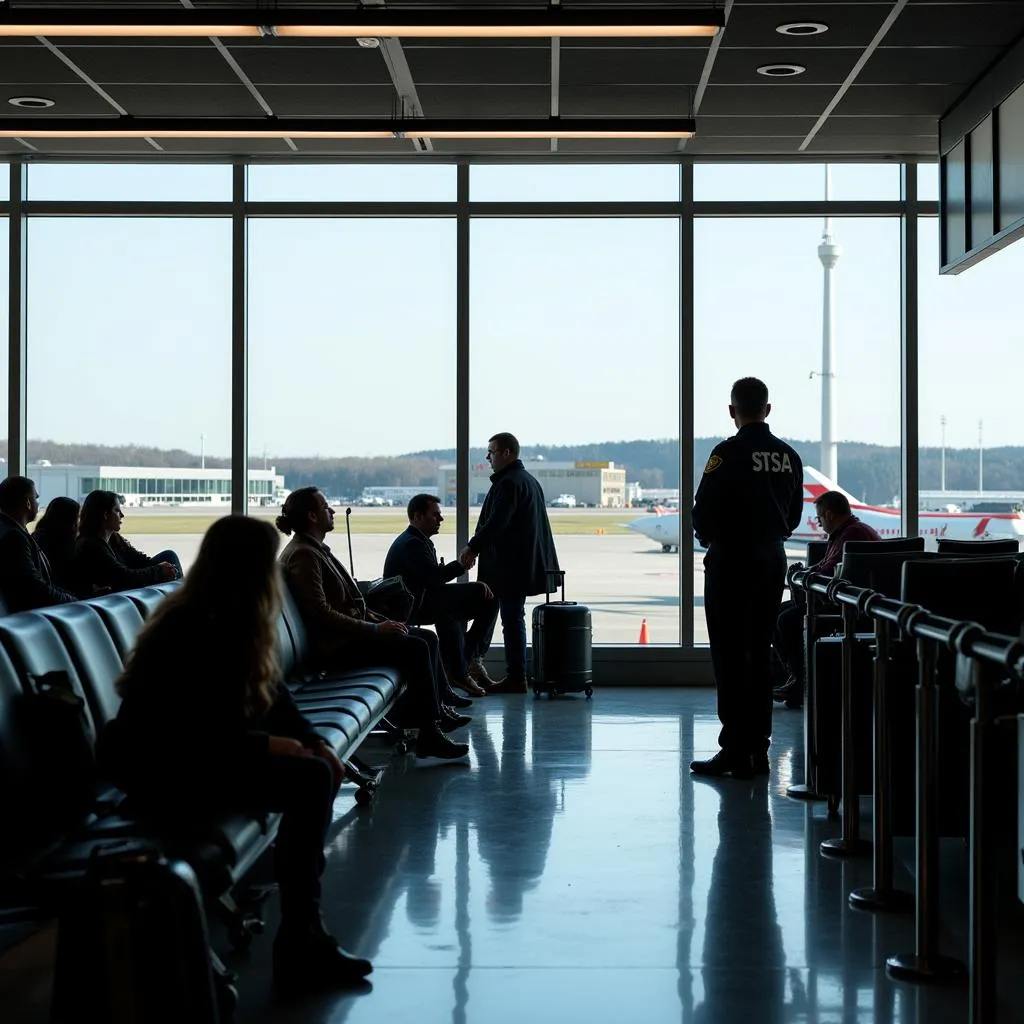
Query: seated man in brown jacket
[[344, 634]]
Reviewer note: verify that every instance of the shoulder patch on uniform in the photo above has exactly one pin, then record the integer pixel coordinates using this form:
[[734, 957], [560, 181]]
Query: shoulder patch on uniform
[[713, 463]]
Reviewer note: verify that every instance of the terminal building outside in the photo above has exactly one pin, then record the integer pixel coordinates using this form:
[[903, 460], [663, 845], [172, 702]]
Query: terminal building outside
[[596, 484], [142, 486]]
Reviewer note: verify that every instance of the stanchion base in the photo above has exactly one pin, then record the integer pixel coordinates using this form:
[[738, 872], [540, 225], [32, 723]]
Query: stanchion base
[[911, 967], [801, 791], [895, 900], [845, 848]]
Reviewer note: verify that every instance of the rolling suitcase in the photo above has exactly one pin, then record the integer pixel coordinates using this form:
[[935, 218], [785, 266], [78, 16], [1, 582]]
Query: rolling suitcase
[[132, 944], [561, 646]]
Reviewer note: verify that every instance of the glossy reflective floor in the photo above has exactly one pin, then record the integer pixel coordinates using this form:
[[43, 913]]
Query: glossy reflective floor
[[576, 871]]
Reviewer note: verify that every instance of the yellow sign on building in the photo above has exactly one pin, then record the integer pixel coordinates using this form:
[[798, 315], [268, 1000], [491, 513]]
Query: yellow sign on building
[[591, 465]]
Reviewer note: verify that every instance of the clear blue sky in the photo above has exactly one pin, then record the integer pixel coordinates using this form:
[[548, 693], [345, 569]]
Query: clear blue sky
[[574, 322]]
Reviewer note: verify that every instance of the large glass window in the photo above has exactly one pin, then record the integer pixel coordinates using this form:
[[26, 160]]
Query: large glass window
[[575, 183], [352, 183], [130, 182], [971, 360], [759, 312], [796, 182], [575, 349], [129, 363], [352, 368]]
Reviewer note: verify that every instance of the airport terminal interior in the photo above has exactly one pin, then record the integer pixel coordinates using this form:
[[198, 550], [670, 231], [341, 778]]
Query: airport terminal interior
[[258, 246]]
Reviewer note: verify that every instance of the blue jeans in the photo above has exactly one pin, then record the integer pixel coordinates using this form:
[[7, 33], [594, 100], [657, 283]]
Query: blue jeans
[[511, 607]]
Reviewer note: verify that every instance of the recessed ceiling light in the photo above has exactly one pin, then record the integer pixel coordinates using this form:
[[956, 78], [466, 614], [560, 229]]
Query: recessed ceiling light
[[31, 102], [368, 42], [781, 70], [802, 28]]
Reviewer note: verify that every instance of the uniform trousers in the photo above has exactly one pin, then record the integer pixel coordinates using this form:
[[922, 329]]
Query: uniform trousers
[[742, 591], [789, 637]]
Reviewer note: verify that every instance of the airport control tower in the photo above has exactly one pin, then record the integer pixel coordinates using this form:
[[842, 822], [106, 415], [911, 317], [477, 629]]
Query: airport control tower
[[829, 253]]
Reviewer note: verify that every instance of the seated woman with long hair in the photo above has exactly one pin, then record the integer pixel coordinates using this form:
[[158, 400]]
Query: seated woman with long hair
[[56, 533], [103, 558], [204, 726]]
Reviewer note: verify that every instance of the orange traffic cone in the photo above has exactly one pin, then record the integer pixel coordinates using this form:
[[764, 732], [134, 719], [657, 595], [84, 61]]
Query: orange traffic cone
[[643, 631]]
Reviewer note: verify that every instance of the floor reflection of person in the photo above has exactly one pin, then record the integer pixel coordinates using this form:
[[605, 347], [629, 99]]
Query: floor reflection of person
[[743, 964], [515, 814]]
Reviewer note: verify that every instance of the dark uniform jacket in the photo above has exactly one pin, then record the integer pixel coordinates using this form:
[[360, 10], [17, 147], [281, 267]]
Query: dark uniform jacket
[[412, 556], [183, 724], [751, 493], [329, 601], [513, 535], [100, 563], [24, 572]]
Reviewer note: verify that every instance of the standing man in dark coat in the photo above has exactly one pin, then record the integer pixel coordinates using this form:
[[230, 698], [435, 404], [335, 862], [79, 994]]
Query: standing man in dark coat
[[749, 501], [25, 580], [516, 550], [445, 605]]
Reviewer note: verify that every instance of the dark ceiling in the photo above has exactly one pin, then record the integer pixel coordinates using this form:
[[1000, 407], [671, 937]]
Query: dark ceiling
[[866, 93]]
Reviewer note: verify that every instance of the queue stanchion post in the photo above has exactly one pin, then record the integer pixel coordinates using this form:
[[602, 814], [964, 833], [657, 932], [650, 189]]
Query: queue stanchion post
[[850, 843], [882, 894], [926, 963]]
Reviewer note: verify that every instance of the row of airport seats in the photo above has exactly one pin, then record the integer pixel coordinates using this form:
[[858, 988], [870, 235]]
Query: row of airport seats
[[978, 581], [58, 669]]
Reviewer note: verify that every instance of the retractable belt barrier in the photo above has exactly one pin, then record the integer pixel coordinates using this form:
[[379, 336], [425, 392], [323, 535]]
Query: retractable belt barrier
[[987, 664]]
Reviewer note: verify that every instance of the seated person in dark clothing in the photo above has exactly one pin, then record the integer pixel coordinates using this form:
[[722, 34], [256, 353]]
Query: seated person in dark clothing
[[56, 533], [343, 634], [448, 608], [205, 727], [25, 579], [836, 518], [101, 561]]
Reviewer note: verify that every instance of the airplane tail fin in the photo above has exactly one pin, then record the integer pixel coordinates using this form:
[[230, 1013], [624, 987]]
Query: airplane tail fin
[[816, 484]]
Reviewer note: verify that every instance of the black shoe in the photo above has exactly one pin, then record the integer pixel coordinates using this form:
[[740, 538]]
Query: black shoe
[[433, 747], [305, 959], [792, 694], [452, 720], [760, 764], [453, 700], [724, 763]]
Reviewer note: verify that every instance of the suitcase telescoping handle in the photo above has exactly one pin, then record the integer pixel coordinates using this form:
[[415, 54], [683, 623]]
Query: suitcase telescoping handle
[[560, 574]]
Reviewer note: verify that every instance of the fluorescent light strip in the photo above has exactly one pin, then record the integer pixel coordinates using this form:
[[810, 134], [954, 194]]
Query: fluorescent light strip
[[445, 23], [29, 132], [500, 31], [129, 31]]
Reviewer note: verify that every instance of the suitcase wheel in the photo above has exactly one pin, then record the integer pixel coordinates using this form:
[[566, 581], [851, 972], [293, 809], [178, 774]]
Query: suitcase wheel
[[589, 691]]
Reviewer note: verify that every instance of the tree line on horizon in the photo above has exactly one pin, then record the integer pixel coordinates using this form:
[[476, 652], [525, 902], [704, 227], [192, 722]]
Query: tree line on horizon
[[869, 472]]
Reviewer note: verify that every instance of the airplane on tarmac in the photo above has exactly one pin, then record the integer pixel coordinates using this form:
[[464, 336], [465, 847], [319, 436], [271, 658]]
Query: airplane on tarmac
[[662, 526]]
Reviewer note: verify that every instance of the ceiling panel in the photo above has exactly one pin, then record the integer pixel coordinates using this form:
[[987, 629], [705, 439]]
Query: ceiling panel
[[626, 100], [900, 66], [772, 98], [485, 101], [664, 66], [331, 101], [824, 67], [186, 100], [849, 25], [69, 101], [322, 65], [500, 65], [148, 64], [932, 100], [33, 65], [983, 23]]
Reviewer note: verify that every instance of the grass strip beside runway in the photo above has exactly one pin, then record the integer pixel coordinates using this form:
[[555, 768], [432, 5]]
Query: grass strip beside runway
[[580, 523]]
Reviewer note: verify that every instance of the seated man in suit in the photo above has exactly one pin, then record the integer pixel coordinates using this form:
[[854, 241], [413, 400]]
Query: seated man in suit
[[344, 634], [25, 580], [448, 608]]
